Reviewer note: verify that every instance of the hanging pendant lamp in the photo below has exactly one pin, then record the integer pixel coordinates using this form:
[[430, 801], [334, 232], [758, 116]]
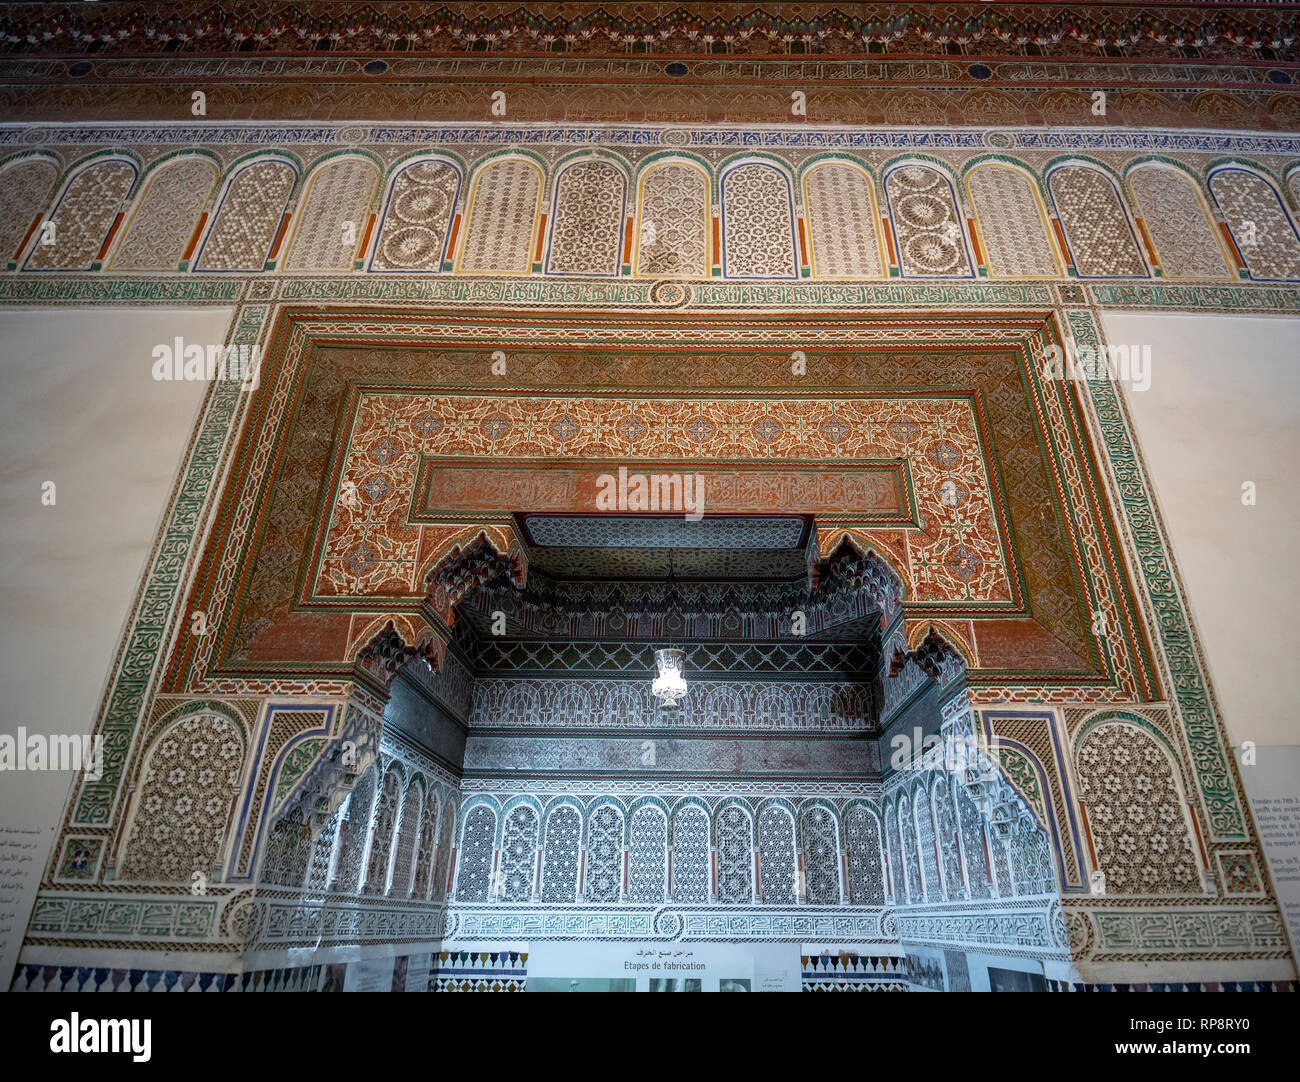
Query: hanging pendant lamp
[[669, 685]]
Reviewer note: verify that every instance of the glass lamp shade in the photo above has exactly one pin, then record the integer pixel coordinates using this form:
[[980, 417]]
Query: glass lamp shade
[[670, 684]]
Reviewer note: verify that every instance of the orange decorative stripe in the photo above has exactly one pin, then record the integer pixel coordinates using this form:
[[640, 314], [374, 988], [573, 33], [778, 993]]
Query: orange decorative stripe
[[1232, 245], [28, 235], [1205, 861], [541, 232], [279, 236], [889, 240], [365, 241], [717, 244], [627, 240], [451, 244], [803, 246], [1146, 240], [109, 239], [1060, 239], [194, 237], [1087, 832], [975, 242]]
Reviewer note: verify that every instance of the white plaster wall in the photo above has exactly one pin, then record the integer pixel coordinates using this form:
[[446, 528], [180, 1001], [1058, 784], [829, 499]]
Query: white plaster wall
[[79, 407], [1223, 408]]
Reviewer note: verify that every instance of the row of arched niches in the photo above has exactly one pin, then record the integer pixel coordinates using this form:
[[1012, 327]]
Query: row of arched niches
[[671, 215]]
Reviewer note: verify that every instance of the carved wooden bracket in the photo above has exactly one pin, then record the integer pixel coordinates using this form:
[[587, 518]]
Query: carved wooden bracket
[[463, 569], [930, 654], [851, 570], [383, 657]]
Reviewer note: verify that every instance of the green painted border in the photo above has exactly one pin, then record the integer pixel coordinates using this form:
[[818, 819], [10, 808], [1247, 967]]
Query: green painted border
[[1206, 742], [434, 289], [156, 603], [154, 610]]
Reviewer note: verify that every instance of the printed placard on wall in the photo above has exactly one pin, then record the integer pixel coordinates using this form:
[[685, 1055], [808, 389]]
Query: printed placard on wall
[[417, 972], [370, 975], [1272, 778], [664, 967], [24, 851]]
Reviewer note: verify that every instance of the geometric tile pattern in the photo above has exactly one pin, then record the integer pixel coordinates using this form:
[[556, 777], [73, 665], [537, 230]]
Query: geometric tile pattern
[[190, 780], [80, 860], [671, 222], [841, 222], [821, 858], [925, 222], [587, 233], [690, 855], [1264, 235], [865, 878], [1174, 218], [848, 971], [1096, 227], [776, 861], [756, 223], [493, 970], [162, 223], [248, 218], [822, 837], [1240, 872], [647, 876], [1136, 816], [603, 879], [474, 856], [331, 218], [734, 832], [36, 978], [518, 849], [417, 217], [503, 208], [82, 217], [560, 860], [24, 187], [1011, 224]]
